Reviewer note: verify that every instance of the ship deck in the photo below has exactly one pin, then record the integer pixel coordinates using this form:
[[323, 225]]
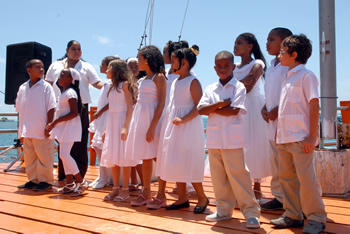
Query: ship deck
[[26, 211]]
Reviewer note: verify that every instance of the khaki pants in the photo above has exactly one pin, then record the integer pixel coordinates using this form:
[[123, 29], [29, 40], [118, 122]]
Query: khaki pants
[[276, 188], [302, 192], [231, 182], [39, 157]]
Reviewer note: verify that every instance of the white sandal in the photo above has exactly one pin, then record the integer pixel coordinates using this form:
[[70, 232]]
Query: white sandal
[[80, 188], [112, 195], [68, 188], [120, 198]]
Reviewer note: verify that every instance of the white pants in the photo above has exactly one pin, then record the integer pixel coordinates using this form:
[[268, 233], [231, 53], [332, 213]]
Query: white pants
[[69, 165]]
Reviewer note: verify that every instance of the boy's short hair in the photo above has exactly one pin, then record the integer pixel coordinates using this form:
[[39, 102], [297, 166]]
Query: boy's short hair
[[224, 55], [300, 44], [31, 62], [282, 32]]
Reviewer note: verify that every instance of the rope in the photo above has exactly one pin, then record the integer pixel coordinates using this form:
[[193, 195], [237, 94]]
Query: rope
[[149, 11], [183, 21]]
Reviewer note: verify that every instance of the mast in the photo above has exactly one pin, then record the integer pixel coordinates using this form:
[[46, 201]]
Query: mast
[[327, 70]]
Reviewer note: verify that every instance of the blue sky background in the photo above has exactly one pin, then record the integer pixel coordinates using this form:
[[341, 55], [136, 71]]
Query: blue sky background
[[115, 27]]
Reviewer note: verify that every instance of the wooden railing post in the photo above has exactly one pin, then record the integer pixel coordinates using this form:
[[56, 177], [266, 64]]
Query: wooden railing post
[[93, 109]]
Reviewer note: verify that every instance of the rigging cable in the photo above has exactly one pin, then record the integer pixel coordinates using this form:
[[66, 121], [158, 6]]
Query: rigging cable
[[183, 21], [150, 8]]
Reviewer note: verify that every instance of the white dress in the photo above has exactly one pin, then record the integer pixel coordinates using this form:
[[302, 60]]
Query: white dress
[[113, 151], [181, 152], [256, 152], [137, 148], [98, 126], [66, 131]]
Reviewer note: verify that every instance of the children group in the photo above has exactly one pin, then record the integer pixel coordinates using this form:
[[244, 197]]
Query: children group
[[149, 116]]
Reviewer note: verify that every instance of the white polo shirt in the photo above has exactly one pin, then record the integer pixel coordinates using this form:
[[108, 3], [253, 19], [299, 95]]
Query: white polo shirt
[[87, 73], [32, 104], [225, 132], [298, 90], [274, 78]]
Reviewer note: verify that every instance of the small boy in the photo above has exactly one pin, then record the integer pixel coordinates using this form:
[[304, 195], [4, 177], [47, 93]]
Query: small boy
[[274, 77], [35, 104], [223, 102], [297, 128]]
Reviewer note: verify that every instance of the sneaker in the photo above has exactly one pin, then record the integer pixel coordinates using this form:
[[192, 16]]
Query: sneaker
[[285, 222], [214, 217], [42, 186], [253, 223], [28, 185], [99, 184], [274, 204], [314, 227]]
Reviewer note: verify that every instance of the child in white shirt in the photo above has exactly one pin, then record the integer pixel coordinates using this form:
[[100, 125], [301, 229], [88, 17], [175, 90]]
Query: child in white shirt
[[297, 128], [223, 102]]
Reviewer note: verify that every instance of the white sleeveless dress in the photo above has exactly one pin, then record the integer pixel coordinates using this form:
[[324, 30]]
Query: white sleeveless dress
[[137, 148], [113, 151], [256, 152], [181, 152], [67, 131], [98, 126]]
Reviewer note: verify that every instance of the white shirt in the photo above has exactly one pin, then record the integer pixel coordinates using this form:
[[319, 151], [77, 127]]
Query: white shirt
[[225, 132], [33, 104], [298, 90], [274, 78], [87, 73]]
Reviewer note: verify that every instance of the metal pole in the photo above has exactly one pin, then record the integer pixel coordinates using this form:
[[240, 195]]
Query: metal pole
[[328, 69]]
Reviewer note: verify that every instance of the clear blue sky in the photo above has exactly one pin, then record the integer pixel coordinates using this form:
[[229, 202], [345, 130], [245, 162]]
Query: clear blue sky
[[115, 27]]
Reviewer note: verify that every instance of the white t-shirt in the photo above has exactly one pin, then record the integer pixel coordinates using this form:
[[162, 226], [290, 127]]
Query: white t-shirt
[[87, 73], [225, 132], [274, 78], [33, 104], [298, 90]]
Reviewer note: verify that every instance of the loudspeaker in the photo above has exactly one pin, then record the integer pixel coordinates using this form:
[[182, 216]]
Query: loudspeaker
[[17, 57]]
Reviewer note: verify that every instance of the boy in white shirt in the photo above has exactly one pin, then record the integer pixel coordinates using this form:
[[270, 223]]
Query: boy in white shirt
[[274, 77], [223, 102], [35, 104], [297, 129]]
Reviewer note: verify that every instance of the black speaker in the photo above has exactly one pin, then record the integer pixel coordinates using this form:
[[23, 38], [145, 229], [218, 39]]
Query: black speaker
[[17, 57]]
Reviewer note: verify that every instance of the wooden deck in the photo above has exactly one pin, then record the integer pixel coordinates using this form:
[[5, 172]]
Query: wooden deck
[[26, 211]]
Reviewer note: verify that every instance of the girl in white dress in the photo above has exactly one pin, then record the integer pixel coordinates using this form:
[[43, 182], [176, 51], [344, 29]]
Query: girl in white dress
[[144, 131], [181, 152], [66, 129], [249, 71], [98, 126], [120, 99]]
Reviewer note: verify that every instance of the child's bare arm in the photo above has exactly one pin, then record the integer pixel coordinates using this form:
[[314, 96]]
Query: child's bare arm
[[160, 82], [273, 114], [254, 75], [100, 112], [210, 108], [227, 111], [264, 114], [129, 110], [50, 116], [72, 114], [309, 142]]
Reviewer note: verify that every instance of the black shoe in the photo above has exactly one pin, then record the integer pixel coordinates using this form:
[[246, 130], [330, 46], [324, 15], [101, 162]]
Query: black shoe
[[186, 204], [201, 209], [274, 204], [286, 222], [42, 186], [28, 185]]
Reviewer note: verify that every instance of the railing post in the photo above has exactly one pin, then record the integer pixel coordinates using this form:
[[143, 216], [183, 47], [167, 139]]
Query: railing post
[[93, 109]]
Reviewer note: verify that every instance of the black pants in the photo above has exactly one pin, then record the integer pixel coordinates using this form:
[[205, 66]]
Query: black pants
[[79, 149]]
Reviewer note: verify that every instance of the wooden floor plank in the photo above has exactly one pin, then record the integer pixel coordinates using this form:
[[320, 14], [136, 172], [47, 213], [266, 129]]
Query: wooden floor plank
[[124, 217]]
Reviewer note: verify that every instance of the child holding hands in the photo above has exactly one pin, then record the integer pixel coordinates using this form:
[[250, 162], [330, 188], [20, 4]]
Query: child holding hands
[[223, 102], [66, 129]]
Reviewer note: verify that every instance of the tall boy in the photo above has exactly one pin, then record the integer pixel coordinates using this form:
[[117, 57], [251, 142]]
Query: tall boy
[[296, 139], [35, 104], [223, 102], [275, 75]]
